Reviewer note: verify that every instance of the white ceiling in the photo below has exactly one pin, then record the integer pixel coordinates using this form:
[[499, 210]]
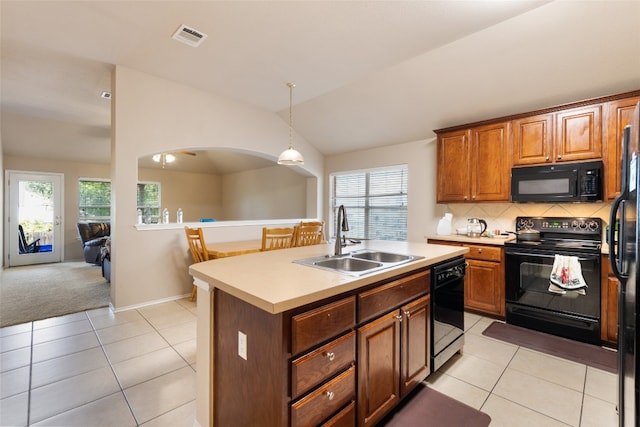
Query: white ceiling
[[368, 73]]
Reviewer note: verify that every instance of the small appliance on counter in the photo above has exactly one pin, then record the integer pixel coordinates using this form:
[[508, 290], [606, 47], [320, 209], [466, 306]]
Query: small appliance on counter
[[475, 227], [444, 225]]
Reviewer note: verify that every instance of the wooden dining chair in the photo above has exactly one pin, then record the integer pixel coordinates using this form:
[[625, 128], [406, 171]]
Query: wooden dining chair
[[306, 235], [277, 238], [195, 239], [320, 223]]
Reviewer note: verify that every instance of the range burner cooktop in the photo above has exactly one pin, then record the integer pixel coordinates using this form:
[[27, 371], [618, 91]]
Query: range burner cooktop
[[556, 233]]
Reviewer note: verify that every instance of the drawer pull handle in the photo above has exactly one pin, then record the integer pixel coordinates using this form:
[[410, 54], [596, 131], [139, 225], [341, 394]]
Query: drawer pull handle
[[330, 395], [331, 355]]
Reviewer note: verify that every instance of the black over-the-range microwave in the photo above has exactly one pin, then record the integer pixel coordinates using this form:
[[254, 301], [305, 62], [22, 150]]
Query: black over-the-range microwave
[[565, 182]]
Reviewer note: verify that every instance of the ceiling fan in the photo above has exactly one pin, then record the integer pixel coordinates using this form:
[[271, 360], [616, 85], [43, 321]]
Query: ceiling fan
[[170, 157]]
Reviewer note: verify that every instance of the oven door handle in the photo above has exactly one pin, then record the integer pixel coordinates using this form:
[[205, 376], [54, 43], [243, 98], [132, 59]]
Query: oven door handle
[[581, 257]]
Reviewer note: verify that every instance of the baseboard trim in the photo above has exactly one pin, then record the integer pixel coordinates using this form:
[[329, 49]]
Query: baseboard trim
[[148, 303]]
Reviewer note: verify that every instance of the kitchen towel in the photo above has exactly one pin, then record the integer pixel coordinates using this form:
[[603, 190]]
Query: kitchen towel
[[566, 275]]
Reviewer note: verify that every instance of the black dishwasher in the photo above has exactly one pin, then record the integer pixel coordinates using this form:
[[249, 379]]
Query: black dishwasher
[[447, 310]]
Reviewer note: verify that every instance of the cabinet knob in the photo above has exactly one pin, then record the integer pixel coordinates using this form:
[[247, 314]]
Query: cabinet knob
[[547, 158], [559, 157], [473, 197], [479, 251], [330, 395], [330, 355], [407, 313], [465, 197]]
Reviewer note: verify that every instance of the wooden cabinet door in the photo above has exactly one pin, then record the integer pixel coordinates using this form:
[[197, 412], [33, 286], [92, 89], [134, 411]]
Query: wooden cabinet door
[[532, 140], [453, 166], [490, 163], [484, 287], [578, 134], [617, 114], [416, 336], [378, 368]]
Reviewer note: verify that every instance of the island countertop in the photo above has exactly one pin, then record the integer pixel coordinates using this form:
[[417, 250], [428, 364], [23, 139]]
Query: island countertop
[[273, 282]]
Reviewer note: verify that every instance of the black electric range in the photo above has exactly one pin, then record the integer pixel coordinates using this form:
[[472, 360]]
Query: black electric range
[[533, 299]]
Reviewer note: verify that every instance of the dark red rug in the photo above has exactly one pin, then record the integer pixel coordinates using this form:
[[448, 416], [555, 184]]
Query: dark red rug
[[427, 407], [589, 354]]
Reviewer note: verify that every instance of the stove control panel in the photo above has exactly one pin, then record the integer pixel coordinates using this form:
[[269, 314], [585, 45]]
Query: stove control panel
[[560, 225]]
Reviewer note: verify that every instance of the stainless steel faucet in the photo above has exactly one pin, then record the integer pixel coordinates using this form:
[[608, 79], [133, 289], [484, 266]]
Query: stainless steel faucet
[[341, 224]]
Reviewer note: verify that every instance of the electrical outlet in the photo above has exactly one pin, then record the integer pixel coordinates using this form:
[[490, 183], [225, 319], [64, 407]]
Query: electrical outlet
[[242, 345]]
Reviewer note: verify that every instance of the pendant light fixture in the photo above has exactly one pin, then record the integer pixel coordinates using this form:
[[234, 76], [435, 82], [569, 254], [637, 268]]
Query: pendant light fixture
[[290, 157]]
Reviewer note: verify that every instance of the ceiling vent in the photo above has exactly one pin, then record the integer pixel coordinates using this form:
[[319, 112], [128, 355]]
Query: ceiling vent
[[189, 36]]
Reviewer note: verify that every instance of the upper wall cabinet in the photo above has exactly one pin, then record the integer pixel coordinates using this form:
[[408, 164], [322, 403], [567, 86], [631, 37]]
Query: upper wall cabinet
[[532, 139], [475, 160], [577, 136], [474, 165], [617, 114]]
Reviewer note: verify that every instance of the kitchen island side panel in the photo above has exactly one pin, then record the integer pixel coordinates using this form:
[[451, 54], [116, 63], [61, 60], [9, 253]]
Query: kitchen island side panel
[[254, 391]]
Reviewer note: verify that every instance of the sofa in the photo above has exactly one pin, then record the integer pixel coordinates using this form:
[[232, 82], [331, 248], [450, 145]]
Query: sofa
[[93, 236]]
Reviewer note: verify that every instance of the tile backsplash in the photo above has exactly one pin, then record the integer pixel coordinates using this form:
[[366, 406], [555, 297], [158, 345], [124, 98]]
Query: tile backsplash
[[502, 216]]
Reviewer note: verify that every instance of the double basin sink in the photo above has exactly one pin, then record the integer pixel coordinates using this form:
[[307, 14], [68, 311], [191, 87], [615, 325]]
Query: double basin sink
[[359, 262]]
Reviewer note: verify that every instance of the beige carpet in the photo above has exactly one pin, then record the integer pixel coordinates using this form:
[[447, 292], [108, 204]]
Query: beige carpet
[[48, 290]]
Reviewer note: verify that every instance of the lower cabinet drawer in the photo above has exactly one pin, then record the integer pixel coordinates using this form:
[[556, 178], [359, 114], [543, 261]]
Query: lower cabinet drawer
[[311, 369], [325, 401], [315, 326], [344, 418], [485, 253], [383, 298]]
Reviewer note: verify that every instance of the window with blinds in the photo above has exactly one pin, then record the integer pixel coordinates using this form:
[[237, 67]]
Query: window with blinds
[[375, 201]]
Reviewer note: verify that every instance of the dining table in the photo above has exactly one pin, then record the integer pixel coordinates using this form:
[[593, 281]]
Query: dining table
[[227, 249]]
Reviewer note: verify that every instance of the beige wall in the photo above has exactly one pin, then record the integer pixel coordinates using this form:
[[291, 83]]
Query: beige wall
[[199, 195], [3, 204], [148, 116], [274, 192], [420, 156], [72, 171]]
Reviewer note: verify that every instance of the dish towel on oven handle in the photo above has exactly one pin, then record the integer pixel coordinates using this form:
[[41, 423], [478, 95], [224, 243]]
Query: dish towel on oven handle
[[567, 273]]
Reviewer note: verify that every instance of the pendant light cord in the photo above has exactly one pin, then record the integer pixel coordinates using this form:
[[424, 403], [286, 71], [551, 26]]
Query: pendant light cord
[[291, 86]]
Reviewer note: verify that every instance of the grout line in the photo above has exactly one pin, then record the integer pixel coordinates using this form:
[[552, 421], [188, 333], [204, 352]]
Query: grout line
[[124, 395], [30, 376]]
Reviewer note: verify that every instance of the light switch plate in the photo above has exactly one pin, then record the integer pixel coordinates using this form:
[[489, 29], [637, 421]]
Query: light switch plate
[[242, 345]]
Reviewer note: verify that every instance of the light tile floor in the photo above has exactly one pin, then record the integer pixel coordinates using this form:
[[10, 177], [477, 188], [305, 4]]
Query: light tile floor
[[521, 387], [99, 368]]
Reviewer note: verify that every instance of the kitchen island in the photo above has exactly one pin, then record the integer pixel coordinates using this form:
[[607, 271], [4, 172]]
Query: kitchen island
[[279, 342]]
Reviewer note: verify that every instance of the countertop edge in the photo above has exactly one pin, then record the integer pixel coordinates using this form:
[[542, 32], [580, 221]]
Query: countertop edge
[[459, 238], [333, 283]]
